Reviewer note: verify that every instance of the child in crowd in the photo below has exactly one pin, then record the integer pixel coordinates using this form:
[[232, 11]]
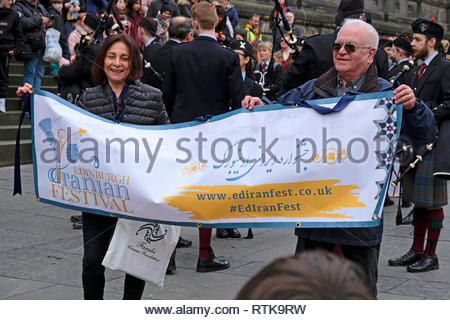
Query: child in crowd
[[71, 10], [75, 35], [55, 14]]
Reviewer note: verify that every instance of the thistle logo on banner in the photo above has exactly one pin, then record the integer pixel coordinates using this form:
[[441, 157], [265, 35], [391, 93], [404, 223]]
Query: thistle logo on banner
[[77, 184]]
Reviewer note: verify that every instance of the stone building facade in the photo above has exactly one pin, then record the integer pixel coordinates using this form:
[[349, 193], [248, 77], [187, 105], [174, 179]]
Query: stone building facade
[[390, 17]]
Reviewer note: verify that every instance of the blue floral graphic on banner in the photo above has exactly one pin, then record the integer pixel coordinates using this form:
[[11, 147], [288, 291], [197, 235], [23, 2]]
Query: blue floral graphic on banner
[[387, 131]]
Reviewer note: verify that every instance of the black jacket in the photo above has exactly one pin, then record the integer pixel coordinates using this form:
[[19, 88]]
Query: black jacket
[[433, 87], [203, 78], [11, 36], [31, 21], [251, 88], [272, 83], [152, 54], [75, 78], [316, 58], [143, 104]]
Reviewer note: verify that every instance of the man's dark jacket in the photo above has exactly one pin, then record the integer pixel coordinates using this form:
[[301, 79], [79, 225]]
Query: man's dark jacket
[[433, 87], [316, 58], [419, 120], [203, 78], [151, 55], [11, 36]]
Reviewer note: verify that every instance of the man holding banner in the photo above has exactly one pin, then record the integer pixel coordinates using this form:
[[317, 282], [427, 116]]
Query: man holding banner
[[353, 53]]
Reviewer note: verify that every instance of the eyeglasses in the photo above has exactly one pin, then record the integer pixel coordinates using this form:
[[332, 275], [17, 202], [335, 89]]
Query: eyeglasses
[[349, 47]]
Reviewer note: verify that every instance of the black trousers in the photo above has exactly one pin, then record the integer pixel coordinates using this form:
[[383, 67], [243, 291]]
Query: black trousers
[[97, 233], [365, 256], [4, 66]]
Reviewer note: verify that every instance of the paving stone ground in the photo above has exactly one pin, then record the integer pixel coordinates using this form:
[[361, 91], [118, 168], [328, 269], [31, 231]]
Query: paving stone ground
[[40, 256]]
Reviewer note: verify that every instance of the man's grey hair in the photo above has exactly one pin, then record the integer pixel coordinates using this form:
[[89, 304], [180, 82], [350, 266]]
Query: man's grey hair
[[179, 27], [370, 33]]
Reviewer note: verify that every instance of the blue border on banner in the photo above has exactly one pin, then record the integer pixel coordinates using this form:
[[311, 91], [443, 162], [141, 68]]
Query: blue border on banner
[[305, 224], [271, 107]]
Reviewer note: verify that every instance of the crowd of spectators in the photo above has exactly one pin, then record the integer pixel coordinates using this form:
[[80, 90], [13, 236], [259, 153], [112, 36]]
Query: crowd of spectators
[[29, 21]]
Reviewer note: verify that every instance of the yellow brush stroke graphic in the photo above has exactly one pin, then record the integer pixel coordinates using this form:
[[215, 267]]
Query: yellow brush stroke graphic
[[293, 200]]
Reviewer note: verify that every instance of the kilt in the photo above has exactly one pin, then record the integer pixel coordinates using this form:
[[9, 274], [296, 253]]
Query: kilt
[[421, 187]]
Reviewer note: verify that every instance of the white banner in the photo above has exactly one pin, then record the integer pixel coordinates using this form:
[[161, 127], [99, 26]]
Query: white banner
[[275, 166]]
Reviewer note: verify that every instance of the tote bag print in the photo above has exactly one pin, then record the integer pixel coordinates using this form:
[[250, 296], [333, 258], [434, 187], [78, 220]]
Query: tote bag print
[[141, 249]]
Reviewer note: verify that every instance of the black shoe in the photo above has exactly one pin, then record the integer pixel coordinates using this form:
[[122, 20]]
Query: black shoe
[[222, 233], [183, 243], [76, 218], [427, 263], [234, 233], [405, 260], [77, 225], [171, 267], [406, 204], [212, 264], [388, 202], [409, 219]]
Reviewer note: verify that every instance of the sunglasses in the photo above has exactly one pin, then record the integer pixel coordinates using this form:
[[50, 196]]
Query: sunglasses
[[349, 47]]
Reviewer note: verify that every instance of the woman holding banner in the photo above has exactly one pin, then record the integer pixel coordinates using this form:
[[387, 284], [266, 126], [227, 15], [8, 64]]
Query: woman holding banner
[[120, 97]]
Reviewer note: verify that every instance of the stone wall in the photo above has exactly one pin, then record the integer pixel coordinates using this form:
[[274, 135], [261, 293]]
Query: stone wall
[[390, 17]]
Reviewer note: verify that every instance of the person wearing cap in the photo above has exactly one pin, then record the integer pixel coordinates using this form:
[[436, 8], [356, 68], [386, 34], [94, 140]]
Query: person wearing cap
[[316, 56], [245, 52], [148, 34], [353, 53], [204, 80], [402, 52], [431, 83]]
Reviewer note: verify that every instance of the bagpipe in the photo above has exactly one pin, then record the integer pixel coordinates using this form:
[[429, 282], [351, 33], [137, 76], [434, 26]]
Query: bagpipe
[[418, 158], [408, 149], [147, 65], [407, 67], [441, 160]]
